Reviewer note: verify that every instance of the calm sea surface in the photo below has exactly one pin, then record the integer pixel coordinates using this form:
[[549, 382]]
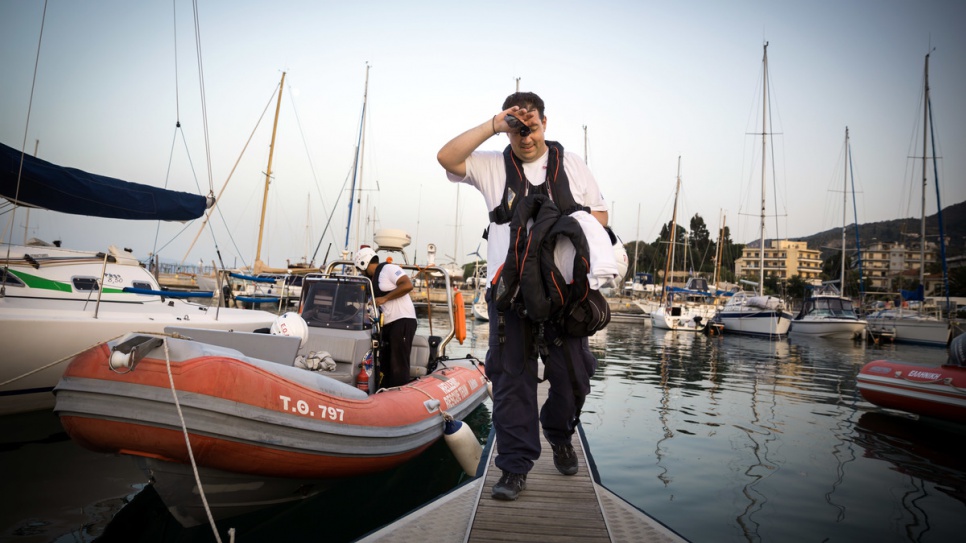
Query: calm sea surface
[[721, 439]]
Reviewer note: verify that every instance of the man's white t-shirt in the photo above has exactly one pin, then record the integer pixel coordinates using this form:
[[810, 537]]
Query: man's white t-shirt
[[486, 171], [398, 308]]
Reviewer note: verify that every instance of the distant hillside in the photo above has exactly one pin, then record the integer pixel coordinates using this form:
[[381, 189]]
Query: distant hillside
[[954, 218]]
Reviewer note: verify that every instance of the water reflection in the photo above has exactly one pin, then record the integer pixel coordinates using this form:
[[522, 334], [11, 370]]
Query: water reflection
[[761, 440], [926, 450]]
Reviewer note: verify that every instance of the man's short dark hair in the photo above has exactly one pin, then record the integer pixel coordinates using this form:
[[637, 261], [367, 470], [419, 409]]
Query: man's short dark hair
[[526, 100]]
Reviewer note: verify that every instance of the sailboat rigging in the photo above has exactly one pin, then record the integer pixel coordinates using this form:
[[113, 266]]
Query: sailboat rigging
[[62, 300], [756, 313], [916, 324], [671, 315], [827, 311]]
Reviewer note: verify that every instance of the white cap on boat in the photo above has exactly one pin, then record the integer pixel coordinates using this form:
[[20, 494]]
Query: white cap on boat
[[291, 324]]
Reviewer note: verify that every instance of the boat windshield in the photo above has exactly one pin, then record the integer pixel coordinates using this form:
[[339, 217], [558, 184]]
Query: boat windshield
[[336, 303], [832, 307]]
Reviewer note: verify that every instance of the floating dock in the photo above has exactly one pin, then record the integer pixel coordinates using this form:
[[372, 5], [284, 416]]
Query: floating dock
[[554, 507]]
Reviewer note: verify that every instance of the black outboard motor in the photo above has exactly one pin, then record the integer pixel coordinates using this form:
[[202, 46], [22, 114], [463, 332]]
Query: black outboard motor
[[957, 351]]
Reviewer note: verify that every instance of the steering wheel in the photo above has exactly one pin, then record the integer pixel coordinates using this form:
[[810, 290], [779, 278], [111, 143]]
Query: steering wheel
[[347, 313]]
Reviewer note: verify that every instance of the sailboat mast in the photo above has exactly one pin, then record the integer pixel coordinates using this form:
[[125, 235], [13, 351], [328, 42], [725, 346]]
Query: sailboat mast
[[672, 235], [268, 172], [764, 131], [845, 201], [719, 250], [357, 168], [922, 232], [308, 216], [637, 238]]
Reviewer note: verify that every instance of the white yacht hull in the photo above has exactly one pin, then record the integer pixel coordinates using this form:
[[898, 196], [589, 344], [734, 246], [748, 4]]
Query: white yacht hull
[[829, 328], [762, 322], [677, 318], [910, 329], [58, 302]]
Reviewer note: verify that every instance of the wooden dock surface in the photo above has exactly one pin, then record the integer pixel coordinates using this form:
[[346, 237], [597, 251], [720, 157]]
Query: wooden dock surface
[[554, 507]]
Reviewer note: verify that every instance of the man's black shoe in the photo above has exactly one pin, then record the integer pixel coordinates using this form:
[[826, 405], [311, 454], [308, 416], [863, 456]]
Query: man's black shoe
[[564, 458], [510, 486]]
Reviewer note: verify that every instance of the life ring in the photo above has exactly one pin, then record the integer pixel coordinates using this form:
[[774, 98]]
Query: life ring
[[459, 315]]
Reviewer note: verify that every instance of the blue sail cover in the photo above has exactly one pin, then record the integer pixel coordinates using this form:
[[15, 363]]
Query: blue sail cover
[[917, 295], [69, 190]]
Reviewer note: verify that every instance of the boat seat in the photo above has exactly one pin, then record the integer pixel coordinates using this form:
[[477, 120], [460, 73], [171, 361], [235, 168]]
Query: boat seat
[[419, 357], [347, 347], [279, 349]]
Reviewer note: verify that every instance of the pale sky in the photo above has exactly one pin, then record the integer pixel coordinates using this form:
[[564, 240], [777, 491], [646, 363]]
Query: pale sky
[[651, 81]]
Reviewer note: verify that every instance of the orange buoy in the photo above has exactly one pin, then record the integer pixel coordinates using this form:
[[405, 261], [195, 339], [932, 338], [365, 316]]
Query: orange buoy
[[459, 315]]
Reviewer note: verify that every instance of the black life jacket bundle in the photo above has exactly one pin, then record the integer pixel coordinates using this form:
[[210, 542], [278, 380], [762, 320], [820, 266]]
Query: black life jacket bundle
[[530, 282]]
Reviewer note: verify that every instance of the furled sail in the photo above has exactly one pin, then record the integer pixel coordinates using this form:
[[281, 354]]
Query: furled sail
[[69, 190]]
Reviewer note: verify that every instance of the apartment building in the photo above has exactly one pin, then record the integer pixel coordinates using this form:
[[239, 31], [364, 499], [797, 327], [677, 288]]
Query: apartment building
[[783, 259], [883, 262]]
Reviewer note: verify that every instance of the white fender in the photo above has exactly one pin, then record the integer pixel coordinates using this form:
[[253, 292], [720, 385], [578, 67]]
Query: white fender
[[464, 445]]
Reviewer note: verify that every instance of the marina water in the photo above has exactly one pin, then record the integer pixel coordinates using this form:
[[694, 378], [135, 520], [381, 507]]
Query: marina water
[[721, 439]]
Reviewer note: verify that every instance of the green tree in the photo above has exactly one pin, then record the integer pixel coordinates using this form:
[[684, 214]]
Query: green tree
[[730, 252], [661, 248], [957, 281], [643, 252], [701, 244], [772, 285], [797, 288]]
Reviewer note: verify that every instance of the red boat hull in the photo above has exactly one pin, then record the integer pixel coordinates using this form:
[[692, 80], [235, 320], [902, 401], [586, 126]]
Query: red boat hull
[[937, 392], [246, 418]]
